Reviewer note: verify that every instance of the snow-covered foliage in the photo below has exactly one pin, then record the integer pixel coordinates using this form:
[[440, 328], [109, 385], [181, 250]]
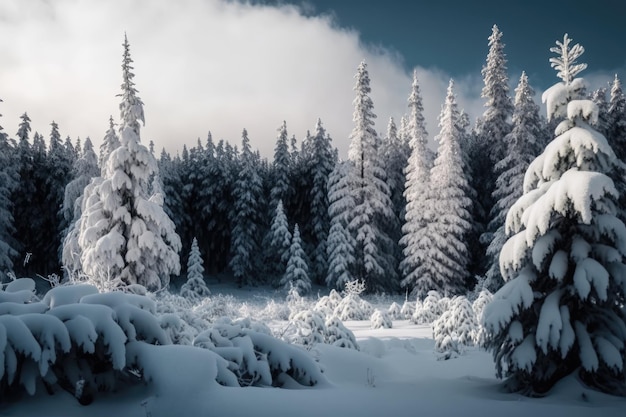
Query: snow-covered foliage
[[395, 311], [351, 308], [455, 328], [409, 308], [372, 215], [306, 328], [560, 310], [521, 148], [327, 304], [277, 243], [429, 310], [9, 181], [381, 319], [195, 285], [443, 246], [124, 231], [297, 273], [337, 334]]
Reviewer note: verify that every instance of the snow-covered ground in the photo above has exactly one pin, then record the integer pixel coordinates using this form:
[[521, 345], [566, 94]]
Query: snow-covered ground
[[396, 373]]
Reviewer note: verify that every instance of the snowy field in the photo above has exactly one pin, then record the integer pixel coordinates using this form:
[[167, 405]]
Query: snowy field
[[395, 373]]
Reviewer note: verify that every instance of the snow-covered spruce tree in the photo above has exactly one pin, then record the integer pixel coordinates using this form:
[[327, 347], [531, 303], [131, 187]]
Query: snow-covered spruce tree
[[339, 244], [297, 274], [9, 181], [110, 143], [444, 254], [277, 244], [323, 160], [617, 119], [195, 287], [561, 309], [125, 234], [280, 171], [85, 169], [415, 189], [522, 147], [247, 194], [598, 96], [372, 215]]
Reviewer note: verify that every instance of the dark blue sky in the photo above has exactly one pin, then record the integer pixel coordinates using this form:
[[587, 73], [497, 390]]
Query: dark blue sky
[[452, 34]]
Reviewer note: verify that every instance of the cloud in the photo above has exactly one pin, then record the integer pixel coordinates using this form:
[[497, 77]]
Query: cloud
[[201, 65]]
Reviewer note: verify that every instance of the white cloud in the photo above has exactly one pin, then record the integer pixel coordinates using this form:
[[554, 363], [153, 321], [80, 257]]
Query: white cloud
[[200, 65]]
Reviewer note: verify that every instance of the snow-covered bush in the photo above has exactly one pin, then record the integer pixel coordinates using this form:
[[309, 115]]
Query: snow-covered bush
[[254, 357], [455, 328], [484, 298], [338, 335], [327, 304], [351, 308], [381, 320], [306, 328], [430, 309], [395, 311], [409, 308]]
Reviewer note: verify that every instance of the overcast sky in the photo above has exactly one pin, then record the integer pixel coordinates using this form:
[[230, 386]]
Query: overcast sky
[[223, 66]]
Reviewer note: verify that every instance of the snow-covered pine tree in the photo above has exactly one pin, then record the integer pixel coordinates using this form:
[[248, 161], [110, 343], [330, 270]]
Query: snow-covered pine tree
[[598, 96], [522, 145], [444, 253], [395, 153], [280, 175], [125, 233], [85, 169], [339, 244], [247, 194], [9, 181], [195, 287], [110, 143], [372, 215], [417, 173], [617, 119], [297, 274], [561, 309], [277, 243], [323, 160]]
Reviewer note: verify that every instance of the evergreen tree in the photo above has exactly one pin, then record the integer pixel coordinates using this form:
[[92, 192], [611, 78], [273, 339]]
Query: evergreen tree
[[195, 287], [110, 143], [598, 96], [9, 182], [296, 276], [339, 244], [125, 235], [417, 173], [323, 160], [522, 147], [372, 215], [561, 309], [443, 263], [84, 171], [495, 123], [280, 176], [247, 194], [277, 243], [617, 119]]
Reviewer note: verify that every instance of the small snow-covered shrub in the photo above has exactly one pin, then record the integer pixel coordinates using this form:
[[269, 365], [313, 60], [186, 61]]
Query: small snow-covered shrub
[[351, 308], [381, 319], [395, 311], [195, 287], [408, 309], [430, 309], [327, 304], [478, 306], [455, 328], [275, 311], [306, 328], [339, 335], [254, 357], [355, 287]]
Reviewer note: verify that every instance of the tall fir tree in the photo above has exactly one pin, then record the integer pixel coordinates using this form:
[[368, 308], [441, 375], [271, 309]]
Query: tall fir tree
[[126, 237], [416, 187], [560, 311], [247, 195], [323, 160], [372, 215], [280, 171], [617, 119], [522, 146], [276, 244], [444, 255], [598, 96]]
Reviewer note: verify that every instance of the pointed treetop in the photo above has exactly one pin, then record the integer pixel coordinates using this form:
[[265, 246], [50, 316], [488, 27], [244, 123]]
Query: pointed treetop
[[131, 107], [565, 63]]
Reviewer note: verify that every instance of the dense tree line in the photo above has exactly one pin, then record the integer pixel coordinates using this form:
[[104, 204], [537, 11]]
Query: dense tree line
[[401, 212]]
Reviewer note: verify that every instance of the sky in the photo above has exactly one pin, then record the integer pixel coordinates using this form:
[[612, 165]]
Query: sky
[[222, 66]]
